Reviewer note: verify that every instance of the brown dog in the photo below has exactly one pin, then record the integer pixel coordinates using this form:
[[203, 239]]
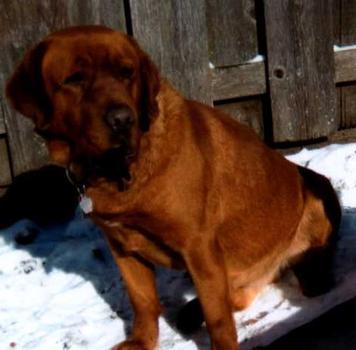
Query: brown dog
[[174, 182]]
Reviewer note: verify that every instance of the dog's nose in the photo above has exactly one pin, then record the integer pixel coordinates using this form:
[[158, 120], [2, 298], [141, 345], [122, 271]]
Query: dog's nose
[[119, 118]]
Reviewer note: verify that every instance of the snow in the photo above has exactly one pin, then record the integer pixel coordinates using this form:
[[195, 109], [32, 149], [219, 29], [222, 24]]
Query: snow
[[338, 48], [256, 59], [64, 291], [261, 58], [338, 163]]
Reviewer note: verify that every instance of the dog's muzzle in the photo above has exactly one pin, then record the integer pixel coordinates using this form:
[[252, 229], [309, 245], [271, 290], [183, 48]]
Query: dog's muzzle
[[119, 119]]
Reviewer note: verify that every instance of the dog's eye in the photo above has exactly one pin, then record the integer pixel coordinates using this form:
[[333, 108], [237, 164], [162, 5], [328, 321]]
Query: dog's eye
[[126, 72], [74, 79]]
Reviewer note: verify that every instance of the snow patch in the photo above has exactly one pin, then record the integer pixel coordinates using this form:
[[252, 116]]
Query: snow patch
[[338, 48], [256, 59]]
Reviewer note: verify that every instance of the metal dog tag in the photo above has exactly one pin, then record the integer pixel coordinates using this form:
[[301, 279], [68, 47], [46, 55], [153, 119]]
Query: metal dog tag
[[86, 204]]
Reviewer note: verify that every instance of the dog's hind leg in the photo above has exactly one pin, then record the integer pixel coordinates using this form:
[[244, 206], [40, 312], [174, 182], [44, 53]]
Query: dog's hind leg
[[314, 272], [318, 227]]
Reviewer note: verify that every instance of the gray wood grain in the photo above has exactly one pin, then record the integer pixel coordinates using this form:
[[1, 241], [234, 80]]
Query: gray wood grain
[[2, 118], [22, 24], [175, 36], [345, 66], [5, 173], [339, 105], [336, 13], [348, 103], [347, 22], [239, 81], [301, 68], [348, 37], [248, 112], [232, 31], [250, 79], [28, 150], [344, 135]]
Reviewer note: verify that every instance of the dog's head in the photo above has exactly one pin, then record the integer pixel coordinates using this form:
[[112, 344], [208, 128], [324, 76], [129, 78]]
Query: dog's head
[[90, 92]]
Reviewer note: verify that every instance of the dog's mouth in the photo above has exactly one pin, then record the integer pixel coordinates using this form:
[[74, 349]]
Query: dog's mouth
[[113, 165]]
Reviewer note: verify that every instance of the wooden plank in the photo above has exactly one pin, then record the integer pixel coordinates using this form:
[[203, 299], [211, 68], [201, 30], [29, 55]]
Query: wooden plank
[[348, 37], [174, 34], [348, 23], [28, 150], [345, 65], [243, 80], [250, 79], [337, 21], [5, 172], [346, 135], [301, 68], [248, 112], [232, 31], [338, 104], [348, 110], [110, 13], [25, 22]]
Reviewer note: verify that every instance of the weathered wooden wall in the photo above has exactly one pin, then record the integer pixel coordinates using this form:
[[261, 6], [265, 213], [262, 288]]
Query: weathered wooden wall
[[174, 33], [232, 31], [301, 68], [269, 64]]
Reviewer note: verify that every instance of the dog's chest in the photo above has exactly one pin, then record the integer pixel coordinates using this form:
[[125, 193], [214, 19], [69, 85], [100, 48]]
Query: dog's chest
[[138, 242]]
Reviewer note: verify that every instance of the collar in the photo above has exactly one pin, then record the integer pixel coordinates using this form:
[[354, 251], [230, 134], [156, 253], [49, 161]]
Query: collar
[[85, 203]]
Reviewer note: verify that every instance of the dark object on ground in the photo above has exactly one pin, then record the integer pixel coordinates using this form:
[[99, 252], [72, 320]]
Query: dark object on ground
[[190, 317], [26, 236], [333, 331], [44, 196], [98, 254]]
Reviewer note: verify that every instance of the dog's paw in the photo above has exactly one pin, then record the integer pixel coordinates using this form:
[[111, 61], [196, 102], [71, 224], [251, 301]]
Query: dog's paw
[[132, 345]]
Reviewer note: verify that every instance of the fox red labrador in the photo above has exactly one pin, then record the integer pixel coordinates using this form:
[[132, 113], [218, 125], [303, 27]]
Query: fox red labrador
[[174, 182]]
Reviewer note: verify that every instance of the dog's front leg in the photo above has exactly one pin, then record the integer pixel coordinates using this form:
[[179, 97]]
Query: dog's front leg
[[206, 266], [139, 280]]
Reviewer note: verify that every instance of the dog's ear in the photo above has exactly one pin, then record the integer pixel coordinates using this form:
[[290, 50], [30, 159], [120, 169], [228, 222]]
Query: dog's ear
[[150, 81], [25, 89]]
